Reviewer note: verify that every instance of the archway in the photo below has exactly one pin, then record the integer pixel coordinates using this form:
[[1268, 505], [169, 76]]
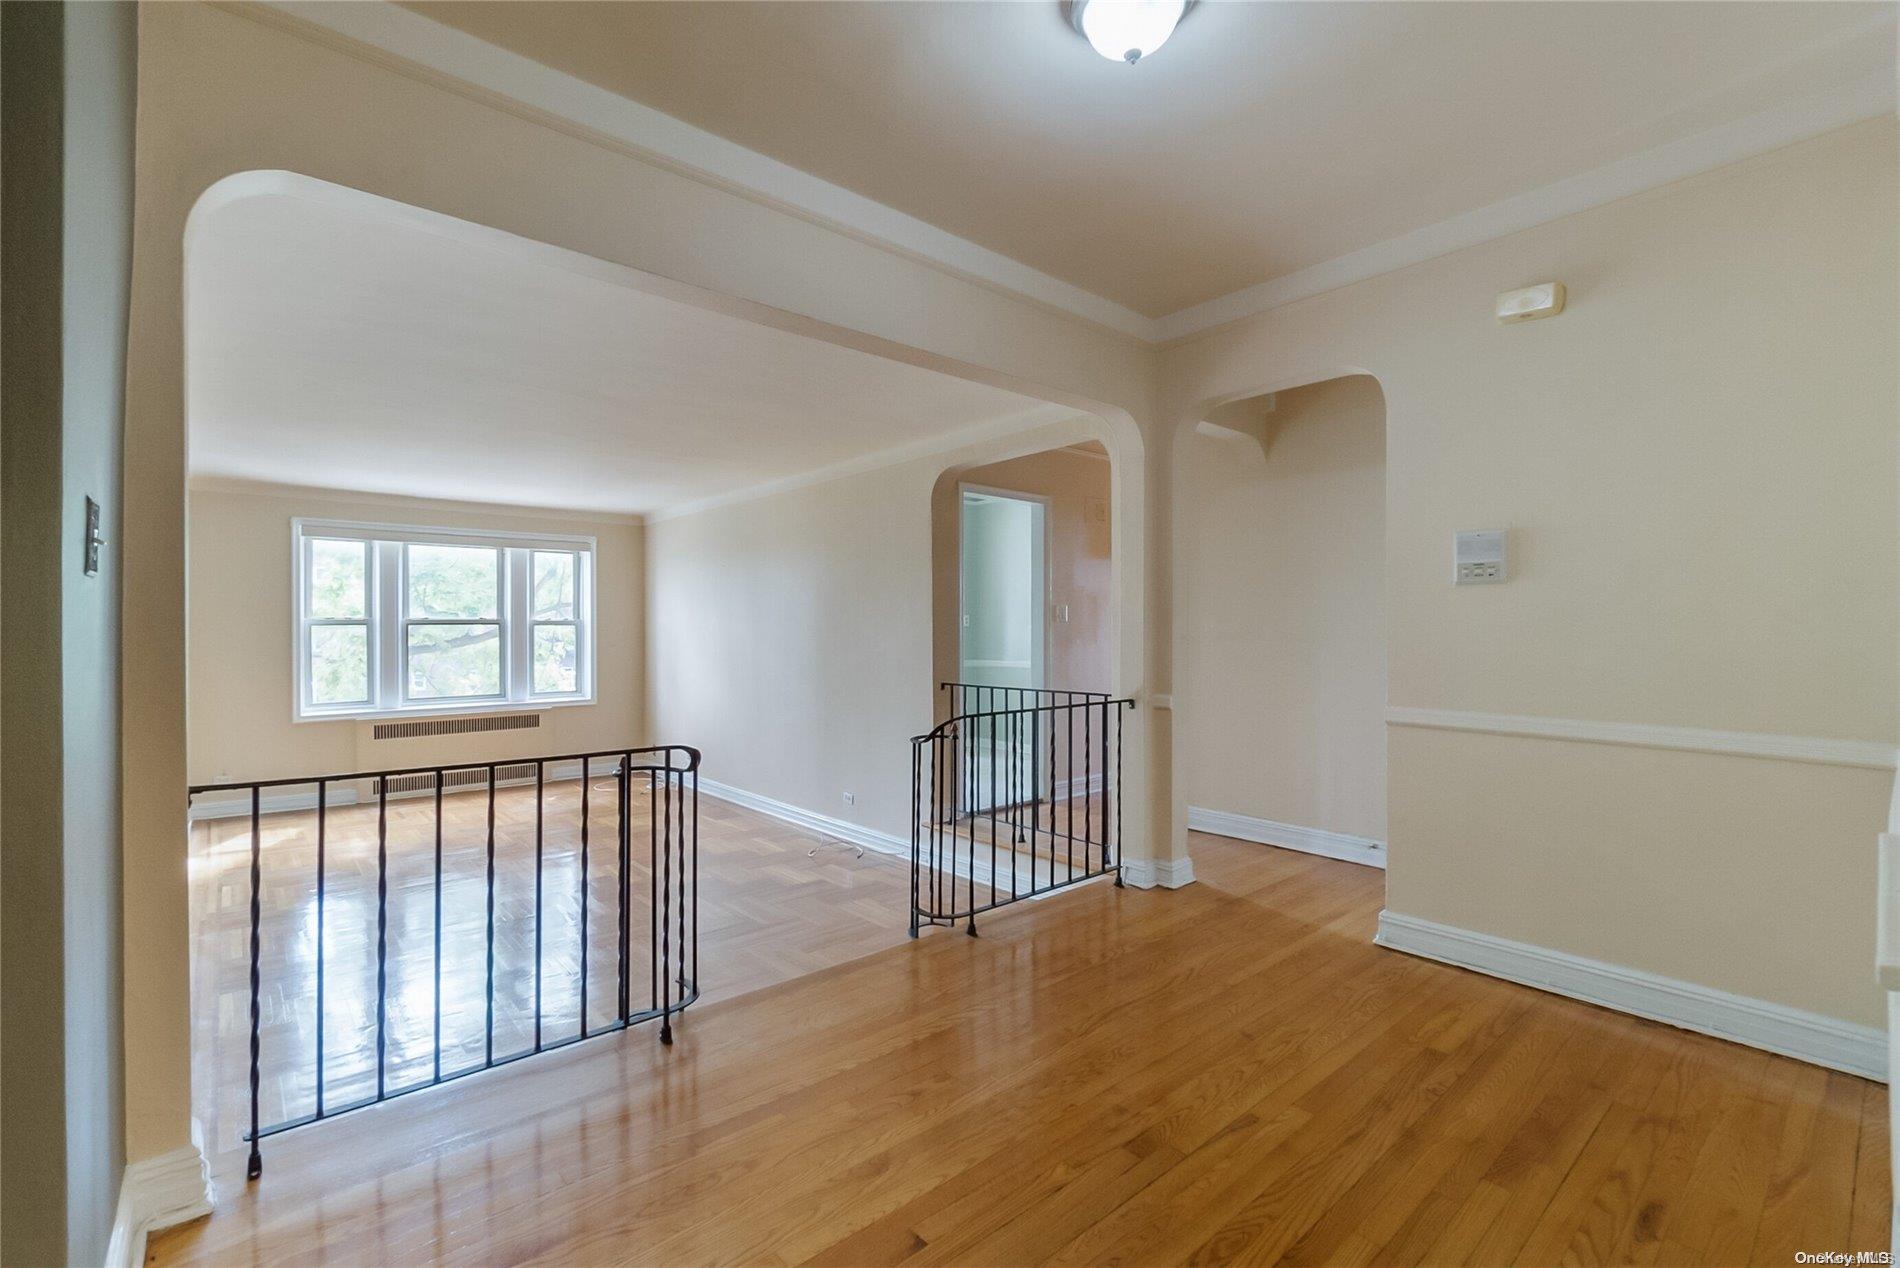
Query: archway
[[1281, 642], [1076, 480], [1104, 427]]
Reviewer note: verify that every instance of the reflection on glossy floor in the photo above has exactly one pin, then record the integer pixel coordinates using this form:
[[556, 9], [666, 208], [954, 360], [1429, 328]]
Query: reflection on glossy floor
[[1227, 1073], [770, 909]]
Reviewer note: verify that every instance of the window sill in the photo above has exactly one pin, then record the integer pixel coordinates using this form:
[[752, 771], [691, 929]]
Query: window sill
[[418, 713]]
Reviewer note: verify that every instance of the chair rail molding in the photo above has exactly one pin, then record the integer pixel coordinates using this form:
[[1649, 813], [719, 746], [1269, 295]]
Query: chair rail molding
[[1867, 754]]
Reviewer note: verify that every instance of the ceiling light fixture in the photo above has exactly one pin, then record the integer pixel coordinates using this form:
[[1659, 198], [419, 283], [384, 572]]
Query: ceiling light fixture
[[1126, 30]]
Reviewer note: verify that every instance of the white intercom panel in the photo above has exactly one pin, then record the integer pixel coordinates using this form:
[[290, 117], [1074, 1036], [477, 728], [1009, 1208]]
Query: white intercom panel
[[1478, 557]]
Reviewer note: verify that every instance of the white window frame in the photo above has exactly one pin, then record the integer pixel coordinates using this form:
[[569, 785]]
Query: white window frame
[[388, 618]]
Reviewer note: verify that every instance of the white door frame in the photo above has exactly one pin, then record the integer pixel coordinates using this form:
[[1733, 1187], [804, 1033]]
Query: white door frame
[[981, 793], [1040, 643]]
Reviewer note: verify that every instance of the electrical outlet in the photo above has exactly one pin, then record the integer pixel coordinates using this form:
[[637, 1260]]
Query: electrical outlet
[[850, 799]]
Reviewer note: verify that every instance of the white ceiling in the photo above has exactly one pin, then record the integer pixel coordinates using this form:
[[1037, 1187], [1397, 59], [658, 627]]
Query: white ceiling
[[336, 346], [1262, 140]]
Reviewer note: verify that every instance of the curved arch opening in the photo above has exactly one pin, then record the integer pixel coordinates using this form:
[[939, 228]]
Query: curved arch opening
[[1282, 628], [1027, 598], [374, 366]]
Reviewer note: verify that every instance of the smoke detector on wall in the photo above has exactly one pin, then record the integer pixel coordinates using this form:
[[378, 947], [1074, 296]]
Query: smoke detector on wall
[[1546, 299]]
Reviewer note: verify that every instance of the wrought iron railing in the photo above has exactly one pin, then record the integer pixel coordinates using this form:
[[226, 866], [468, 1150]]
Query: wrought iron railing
[[1014, 801], [981, 697], [666, 776]]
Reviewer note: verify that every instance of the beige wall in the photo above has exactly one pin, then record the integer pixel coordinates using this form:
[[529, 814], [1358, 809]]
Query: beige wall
[[792, 635], [1283, 545], [242, 694], [1074, 480], [1696, 463]]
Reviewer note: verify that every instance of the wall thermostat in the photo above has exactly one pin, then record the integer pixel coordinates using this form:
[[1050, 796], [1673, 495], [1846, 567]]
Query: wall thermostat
[[1478, 557]]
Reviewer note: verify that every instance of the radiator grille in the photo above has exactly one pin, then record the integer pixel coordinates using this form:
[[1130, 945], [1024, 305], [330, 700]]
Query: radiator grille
[[457, 726], [452, 779]]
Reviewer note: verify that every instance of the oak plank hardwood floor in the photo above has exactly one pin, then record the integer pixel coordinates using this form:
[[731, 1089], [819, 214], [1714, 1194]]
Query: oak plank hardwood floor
[[1230, 1073]]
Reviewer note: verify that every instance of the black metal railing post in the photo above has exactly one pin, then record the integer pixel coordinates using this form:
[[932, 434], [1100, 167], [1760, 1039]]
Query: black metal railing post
[[539, 787], [438, 925], [254, 1166], [488, 992], [666, 913], [382, 933], [583, 1010], [1118, 798], [623, 800], [916, 825], [322, 868], [680, 928]]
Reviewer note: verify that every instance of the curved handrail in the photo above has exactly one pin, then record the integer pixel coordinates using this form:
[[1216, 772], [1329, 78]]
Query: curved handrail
[[691, 754], [1031, 691], [937, 732]]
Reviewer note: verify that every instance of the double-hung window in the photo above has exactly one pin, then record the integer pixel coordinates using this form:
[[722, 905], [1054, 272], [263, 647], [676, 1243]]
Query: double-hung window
[[414, 620]]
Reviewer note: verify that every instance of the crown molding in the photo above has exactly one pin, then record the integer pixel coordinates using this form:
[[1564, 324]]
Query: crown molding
[[1866, 98], [507, 80], [246, 486]]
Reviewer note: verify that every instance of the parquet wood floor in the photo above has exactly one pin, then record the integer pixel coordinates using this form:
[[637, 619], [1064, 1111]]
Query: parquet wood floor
[[1229, 1073]]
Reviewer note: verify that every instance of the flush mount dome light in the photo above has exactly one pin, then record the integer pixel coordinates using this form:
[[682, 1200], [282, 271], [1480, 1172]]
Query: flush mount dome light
[[1126, 30]]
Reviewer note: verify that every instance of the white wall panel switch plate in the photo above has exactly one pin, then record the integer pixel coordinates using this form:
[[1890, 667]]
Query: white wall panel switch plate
[[1478, 557]]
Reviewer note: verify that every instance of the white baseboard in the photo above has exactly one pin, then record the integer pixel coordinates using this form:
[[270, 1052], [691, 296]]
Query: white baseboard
[[1158, 873], [1810, 1037], [855, 833], [1288, 836], [1089, 785], [239, 806], [155, 1194], [977, 867]]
